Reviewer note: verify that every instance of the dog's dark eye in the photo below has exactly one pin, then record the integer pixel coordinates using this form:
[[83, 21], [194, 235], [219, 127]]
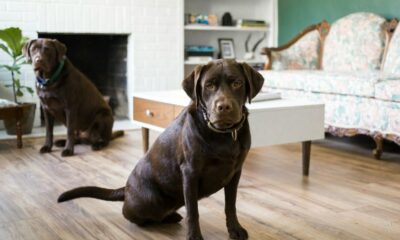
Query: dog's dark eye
[[237, 84], [210, 86]]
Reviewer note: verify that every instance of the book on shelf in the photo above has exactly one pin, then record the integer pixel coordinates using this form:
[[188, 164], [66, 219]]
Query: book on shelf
[[265, 96], [251, 23]]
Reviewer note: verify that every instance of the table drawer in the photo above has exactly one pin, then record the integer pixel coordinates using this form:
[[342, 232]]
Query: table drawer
[[152, 112]]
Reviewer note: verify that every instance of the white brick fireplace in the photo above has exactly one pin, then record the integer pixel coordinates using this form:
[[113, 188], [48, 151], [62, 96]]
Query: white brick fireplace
[[155, 53]]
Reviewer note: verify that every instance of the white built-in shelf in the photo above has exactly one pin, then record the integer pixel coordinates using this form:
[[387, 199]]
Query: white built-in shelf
[[238, 60], [198, 27]]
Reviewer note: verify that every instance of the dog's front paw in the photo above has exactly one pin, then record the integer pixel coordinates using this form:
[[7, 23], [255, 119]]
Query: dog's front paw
[[98, 146], [45, 149], [238, 233], [67, 152]]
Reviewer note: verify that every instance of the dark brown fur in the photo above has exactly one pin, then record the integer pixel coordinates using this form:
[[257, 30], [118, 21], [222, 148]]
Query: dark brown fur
[[189, 161], [72, 100]]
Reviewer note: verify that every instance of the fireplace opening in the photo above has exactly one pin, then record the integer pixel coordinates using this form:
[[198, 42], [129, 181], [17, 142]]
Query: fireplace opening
[[103, 59]]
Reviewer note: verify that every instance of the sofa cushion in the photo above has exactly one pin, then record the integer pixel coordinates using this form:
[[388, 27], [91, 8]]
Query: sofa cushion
[[391, 67], [287, 79], [347, 83], [301, 55], [355, 43], [388, 90], [354, 83]]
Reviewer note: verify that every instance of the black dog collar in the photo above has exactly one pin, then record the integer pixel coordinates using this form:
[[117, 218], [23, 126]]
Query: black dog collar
[[45, 83], [232, 130]]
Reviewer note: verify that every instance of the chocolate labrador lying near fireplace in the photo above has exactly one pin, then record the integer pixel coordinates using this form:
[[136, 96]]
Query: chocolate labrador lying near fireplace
[[202, 151], [69, 97]]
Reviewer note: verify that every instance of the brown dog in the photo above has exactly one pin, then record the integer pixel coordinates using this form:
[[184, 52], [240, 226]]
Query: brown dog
[[202, 151], [69, 97]]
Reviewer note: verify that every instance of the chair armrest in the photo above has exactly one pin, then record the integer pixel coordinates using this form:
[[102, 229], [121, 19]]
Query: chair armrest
[[322, 28]]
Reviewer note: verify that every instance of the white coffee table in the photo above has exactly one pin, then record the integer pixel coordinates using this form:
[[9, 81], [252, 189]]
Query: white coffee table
[[271, 122]]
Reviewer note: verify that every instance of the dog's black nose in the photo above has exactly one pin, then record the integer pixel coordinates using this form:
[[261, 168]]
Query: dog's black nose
[[224, 107]]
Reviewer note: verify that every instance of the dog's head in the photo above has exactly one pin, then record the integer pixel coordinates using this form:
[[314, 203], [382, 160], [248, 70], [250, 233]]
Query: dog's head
[[221, 87], [44, 54]]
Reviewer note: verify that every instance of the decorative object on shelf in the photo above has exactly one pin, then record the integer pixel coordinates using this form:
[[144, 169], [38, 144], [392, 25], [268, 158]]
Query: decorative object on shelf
[[250, 54], [201, 19], [226, 48], [251, 23], [212, 20], [12, 42], [227, 19]]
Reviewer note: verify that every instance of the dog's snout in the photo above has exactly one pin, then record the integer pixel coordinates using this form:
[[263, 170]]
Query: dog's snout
[[224, 106], [37, 59]]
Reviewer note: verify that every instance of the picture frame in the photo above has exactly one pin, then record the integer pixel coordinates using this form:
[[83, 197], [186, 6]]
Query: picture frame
[[226, 48]]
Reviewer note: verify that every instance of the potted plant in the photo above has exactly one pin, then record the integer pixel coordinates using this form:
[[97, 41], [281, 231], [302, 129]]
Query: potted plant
[[12, 43]]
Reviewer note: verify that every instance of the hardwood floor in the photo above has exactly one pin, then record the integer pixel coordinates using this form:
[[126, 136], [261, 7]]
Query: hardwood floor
[[346, 196]]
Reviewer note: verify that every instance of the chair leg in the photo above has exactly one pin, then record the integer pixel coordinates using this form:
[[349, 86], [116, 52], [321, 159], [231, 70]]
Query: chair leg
[[377, 152]]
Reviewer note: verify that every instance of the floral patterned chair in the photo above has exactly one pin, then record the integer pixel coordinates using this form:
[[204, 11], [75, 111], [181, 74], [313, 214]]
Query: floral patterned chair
[[353, 66]]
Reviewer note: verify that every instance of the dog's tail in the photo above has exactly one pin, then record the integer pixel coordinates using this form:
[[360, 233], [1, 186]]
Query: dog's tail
[[93, 192], [117, 134]]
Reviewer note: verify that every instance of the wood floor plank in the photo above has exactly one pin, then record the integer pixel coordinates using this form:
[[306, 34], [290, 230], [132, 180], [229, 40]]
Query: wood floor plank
[[346, 196]]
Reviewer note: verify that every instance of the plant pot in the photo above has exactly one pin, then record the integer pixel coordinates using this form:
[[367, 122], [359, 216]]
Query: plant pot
[[28, 117]]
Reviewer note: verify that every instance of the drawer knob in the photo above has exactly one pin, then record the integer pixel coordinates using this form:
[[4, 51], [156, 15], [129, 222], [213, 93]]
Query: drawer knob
[[149, 113]]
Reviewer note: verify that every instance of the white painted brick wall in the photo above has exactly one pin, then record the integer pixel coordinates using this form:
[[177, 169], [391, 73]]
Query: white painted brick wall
[[155, 28]]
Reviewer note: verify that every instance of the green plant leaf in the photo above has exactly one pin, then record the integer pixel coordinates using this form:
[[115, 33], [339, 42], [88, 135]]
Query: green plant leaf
[[10, 68], [5, 49], [20, 58], [19, 93], [8, 85], [17, 83], [13, 38], [30, 90]]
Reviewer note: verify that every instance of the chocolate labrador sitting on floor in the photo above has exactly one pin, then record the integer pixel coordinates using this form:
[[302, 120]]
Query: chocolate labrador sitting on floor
[[69, 97], [202, 151]]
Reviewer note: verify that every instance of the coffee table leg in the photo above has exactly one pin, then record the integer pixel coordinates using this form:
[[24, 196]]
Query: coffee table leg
[[145, 139], [19, 134], [306, 149]]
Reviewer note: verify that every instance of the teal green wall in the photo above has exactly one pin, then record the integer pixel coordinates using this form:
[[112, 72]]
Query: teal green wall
[[295, 15]]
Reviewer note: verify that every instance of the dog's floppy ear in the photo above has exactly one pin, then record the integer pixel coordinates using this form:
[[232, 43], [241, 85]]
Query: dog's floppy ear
[[61, 49], [190, 84], [26, 50], [254, 80]]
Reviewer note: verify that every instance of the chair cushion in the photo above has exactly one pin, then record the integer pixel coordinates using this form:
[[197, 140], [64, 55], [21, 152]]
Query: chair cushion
[[355, 43], [391, 67], [354, 83], [301, 55], [388, 90], [6, 103]]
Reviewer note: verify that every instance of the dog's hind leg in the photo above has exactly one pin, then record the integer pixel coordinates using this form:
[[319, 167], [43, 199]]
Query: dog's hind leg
[[101, 132]]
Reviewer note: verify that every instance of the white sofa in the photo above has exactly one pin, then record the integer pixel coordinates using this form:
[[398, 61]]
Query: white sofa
[[353, 66]]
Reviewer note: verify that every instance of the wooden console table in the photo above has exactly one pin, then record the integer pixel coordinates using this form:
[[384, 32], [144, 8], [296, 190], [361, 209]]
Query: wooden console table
[[271, 122]]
